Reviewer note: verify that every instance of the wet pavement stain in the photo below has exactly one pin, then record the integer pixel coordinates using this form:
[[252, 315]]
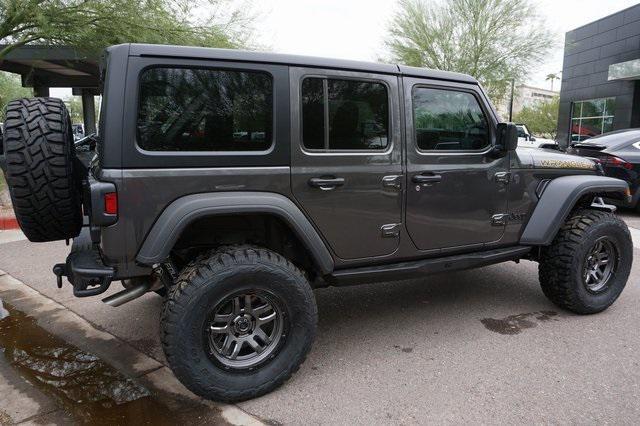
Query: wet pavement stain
[[514, 324], [81, 384]]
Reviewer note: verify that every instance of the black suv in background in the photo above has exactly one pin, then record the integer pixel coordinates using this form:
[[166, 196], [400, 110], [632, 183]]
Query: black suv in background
[[234, 183]]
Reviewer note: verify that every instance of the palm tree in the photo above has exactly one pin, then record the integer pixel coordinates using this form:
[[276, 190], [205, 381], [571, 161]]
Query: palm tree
[[552, 77]]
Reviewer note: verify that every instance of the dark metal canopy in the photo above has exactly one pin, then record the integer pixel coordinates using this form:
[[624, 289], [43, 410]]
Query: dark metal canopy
[[52, 66], [43, 67]]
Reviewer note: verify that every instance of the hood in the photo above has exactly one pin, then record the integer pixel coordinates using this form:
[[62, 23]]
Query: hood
[[551, 159], [544, 140]]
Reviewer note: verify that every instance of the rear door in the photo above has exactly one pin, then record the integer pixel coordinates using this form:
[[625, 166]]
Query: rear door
[[346, 167]]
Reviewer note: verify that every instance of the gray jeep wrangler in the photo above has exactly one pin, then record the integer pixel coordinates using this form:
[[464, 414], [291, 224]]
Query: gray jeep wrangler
[[234, 183]]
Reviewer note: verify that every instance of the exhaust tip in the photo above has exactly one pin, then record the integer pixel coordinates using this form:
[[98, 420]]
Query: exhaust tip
[[128, 294]]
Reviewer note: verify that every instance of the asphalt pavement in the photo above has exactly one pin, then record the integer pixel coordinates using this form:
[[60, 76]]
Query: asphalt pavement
[[479, 346]]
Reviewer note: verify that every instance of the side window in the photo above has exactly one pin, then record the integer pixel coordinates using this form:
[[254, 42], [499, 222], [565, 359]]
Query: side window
[[183, 109], [447, 120], [357, 113]]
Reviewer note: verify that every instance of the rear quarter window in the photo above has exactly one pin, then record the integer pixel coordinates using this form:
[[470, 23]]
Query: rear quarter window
[[195, 109]]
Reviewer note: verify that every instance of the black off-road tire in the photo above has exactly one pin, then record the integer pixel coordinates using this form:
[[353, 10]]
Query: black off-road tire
[[562, 264], [203, 284], [42, 180]]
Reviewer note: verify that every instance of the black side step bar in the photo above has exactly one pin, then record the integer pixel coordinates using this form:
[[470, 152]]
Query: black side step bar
[[417, 268]]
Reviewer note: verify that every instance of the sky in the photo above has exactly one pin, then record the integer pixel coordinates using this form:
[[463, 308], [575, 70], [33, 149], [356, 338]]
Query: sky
[[355, 29]]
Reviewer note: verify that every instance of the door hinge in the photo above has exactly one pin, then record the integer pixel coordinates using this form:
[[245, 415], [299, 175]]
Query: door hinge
[[392, 182], [499, 219], [391, 230], [503, 177]]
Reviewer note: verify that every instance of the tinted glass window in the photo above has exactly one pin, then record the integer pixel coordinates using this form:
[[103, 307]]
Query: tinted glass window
[[313, 113], [449, 120], [205, 110], [358, 114], [521, 132]]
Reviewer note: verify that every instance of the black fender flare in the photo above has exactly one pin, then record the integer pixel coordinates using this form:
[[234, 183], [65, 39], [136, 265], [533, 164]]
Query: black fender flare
[[183, 211], [557, 201]]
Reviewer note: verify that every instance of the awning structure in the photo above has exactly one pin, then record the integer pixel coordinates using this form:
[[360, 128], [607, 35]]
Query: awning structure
[[43, 67], [629, 70]]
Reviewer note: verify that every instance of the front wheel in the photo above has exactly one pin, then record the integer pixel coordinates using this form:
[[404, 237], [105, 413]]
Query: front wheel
[[239, 322], [587, 266]]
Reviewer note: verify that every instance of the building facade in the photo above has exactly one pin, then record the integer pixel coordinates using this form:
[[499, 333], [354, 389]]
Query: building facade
[[525, 96], [601, 77]]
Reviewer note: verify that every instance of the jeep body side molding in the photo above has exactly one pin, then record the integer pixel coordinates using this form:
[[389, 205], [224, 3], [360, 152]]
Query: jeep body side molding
[[183, 211], [557, 200]]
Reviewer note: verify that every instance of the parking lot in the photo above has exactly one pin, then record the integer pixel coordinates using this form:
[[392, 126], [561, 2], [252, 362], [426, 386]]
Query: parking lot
[[481, 346]]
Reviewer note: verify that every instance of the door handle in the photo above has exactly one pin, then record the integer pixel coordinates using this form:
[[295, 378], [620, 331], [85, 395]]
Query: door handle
[[326, 183], [430, 178]]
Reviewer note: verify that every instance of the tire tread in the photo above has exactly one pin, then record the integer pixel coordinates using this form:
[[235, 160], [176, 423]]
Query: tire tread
[[39, 160], [197, 274], [557, 269]]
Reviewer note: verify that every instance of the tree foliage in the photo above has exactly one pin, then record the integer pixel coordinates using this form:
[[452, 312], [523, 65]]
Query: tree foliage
[[74, 106], [495, 41], [552, 77], [94, 24], [10, 88], [541, 119]]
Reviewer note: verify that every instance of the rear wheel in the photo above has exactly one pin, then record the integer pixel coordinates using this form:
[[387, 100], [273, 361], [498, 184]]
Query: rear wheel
[[587, 266], [239, 322], [40, 169]]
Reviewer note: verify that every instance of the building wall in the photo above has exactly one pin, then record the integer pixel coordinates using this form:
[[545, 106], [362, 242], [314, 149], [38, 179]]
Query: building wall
[[589, 50], [525, 96]]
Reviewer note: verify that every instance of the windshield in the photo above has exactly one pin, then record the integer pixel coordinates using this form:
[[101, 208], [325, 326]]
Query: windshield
[[522, 131]]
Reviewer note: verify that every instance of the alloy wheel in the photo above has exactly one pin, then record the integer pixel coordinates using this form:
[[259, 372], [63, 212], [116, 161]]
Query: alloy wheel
[[245, 330]]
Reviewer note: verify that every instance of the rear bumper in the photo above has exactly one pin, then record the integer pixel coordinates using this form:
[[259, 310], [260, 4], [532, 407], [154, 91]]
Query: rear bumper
[[630, 202], [84, 268]]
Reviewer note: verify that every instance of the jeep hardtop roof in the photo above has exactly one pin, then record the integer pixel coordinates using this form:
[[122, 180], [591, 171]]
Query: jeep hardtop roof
[[188, 52]]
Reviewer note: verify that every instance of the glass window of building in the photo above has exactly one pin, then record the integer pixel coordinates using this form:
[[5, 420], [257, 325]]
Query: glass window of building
[[591, 118]]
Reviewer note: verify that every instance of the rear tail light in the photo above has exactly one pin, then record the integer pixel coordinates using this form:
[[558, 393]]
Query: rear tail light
[[111, 203], [611, 161]]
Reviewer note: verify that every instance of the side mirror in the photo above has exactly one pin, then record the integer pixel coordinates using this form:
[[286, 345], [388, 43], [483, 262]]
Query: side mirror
[[506, 138], [532, 139]]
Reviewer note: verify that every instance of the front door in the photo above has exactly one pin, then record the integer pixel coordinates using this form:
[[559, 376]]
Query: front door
[[455, 183], [346, 169]]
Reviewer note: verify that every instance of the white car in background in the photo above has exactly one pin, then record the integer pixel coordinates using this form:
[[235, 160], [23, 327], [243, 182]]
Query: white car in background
[[526, 139]]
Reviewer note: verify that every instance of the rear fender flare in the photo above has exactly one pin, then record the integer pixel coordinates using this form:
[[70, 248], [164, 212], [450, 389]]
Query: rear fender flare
[[559, 198], [183, 211]]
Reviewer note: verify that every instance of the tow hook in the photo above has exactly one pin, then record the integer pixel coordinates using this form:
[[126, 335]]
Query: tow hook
[[86, 272], [60, 270]]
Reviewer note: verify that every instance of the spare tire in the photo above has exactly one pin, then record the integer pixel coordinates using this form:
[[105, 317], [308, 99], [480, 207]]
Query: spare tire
[[40, 169]]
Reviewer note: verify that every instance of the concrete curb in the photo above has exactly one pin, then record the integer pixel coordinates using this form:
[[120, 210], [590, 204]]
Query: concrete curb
[[67, 325], [8, 221]]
